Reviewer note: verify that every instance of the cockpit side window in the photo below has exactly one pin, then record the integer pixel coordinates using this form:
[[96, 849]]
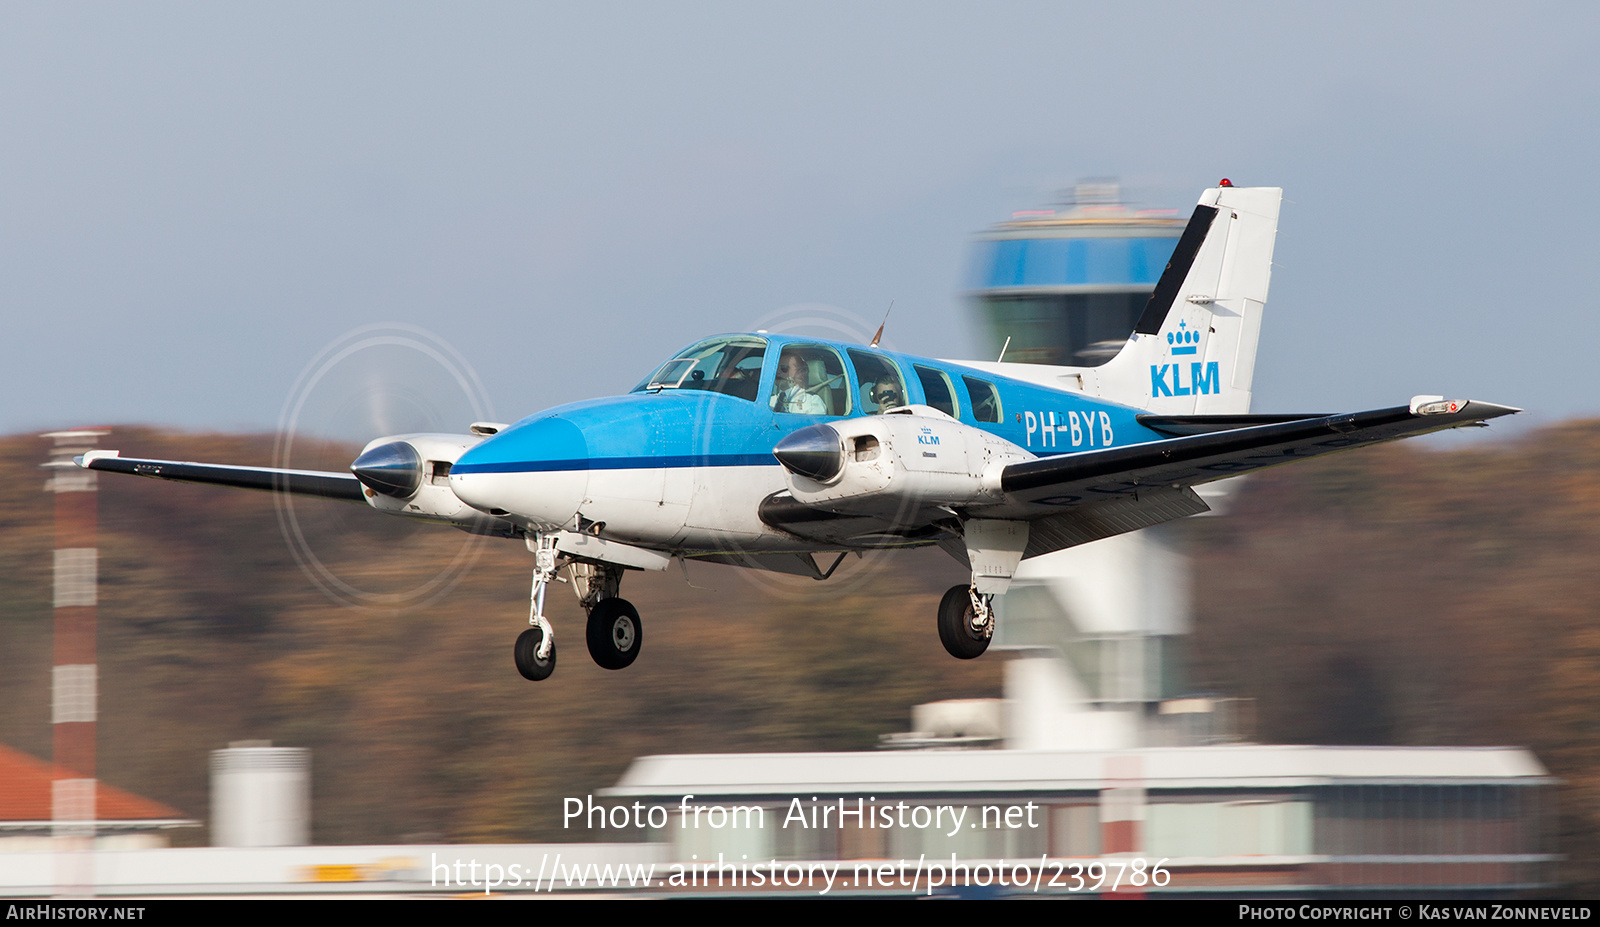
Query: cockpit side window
[[882, 387], [730, 365], [810, 381]]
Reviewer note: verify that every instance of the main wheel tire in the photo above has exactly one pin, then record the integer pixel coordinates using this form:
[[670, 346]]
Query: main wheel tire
[[615, 633], [526, 653], [955, 626]]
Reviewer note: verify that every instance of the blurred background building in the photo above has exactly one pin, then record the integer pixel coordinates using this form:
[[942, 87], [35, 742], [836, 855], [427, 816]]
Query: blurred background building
[[1234, 820], [27, 804], [260, 795]]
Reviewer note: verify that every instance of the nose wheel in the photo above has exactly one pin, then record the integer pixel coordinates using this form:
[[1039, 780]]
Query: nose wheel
[[529, 663], [966, 622]]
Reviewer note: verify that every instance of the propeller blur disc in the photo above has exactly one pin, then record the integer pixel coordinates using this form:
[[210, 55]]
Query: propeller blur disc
[[373, 382]]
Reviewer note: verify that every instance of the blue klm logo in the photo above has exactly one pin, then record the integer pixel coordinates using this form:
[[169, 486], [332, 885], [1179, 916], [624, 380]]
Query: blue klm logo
[[1205, 377], [1183, 340]]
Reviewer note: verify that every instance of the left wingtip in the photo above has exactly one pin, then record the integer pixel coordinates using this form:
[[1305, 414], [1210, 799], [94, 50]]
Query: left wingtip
[[87, 459]]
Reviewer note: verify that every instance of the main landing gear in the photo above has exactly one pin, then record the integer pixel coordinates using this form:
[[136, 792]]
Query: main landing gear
[[966, 614], [966, 622], [614, 630], [614, 633]]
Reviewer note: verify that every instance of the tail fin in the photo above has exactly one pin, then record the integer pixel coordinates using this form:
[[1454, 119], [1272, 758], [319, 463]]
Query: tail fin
[[1193, 350]]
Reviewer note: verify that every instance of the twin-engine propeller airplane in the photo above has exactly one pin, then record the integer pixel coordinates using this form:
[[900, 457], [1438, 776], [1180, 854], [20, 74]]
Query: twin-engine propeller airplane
[[764, 450]]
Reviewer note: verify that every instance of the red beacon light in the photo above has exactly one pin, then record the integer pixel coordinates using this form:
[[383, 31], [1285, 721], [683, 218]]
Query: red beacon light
[[1225, 183]]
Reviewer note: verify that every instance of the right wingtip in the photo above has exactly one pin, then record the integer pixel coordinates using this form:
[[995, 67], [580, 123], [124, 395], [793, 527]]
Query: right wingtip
[[1479, 410]]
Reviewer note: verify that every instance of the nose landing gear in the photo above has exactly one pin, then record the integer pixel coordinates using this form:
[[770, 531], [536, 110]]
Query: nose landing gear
[[614, 630], [535, 651]]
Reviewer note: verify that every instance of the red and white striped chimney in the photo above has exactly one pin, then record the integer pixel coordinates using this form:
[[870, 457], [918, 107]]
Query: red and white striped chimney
[[74, 677]]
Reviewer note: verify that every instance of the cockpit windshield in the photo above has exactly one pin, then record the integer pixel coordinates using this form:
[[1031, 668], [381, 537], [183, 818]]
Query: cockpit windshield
[[730, 364]]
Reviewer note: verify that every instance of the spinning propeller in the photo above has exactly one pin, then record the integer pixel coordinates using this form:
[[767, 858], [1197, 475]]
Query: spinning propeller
[[372, 382]]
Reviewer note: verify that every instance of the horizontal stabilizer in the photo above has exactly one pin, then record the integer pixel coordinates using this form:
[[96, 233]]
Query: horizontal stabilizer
[[342, 486]]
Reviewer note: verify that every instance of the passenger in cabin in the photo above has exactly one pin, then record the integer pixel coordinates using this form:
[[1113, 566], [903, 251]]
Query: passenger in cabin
[[878, 398], [882, 388]]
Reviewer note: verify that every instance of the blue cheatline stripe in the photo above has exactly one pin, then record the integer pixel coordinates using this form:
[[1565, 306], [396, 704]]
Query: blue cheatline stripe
[[653, 463], [622, 463]]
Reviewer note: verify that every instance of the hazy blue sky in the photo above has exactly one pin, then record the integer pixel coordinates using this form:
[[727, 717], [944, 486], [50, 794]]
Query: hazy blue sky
[[195, 200]]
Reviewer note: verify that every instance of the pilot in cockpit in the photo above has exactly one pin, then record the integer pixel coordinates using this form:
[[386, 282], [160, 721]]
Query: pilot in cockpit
[[792, 392]]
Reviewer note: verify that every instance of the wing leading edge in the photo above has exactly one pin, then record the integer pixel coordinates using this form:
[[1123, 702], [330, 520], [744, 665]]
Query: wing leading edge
[[1074, 479]]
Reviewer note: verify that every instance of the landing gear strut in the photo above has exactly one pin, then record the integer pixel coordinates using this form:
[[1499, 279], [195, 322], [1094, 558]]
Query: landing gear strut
[[535, 652], [614, 630], [966, 622]]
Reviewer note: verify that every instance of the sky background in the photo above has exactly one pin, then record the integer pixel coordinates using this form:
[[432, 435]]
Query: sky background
[[198, 200]]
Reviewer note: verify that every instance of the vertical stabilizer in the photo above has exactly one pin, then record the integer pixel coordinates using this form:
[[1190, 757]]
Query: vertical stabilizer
[[1193, 350]]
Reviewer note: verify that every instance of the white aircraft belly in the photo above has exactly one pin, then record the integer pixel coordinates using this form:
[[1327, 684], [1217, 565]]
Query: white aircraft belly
[[642, 506], [726, 500], [698, 508]]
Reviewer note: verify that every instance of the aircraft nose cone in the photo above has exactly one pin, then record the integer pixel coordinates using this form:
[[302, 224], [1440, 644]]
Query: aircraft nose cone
[[815, 451], [393, 469]]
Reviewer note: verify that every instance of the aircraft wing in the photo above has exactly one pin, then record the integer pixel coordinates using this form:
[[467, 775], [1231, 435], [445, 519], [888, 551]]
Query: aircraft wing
[[1075, 498], [342, 486], [1082, 478]]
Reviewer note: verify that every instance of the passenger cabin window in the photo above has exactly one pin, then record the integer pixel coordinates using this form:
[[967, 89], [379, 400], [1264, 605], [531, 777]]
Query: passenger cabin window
[[730, 365], [882, 387], [810, 381], [985, 400], [936, 387]]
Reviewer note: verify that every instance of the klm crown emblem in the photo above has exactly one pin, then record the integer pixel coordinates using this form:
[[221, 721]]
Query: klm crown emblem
[[1184, 340]]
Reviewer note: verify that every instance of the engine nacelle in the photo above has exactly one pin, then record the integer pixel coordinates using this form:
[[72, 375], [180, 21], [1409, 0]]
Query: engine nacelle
[[915, 455], [410, 475]]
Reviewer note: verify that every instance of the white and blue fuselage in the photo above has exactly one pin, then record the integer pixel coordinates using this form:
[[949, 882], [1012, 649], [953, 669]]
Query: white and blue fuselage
[[680, 464]]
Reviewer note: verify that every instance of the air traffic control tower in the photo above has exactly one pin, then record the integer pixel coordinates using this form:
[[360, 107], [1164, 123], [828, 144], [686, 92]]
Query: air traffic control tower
[[1067, 285], [1099, 627]]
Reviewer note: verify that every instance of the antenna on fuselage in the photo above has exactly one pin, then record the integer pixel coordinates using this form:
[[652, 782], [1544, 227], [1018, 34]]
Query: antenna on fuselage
[[879, 336], [1003, 347]]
